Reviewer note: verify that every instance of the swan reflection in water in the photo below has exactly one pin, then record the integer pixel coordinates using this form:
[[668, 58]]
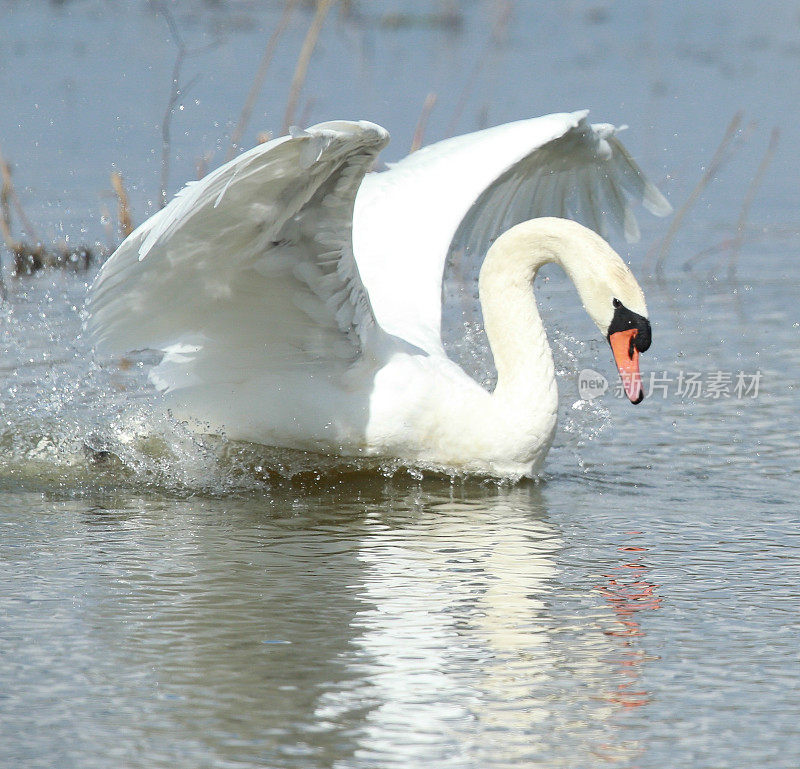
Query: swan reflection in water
[[378, 624], [462, 634], [455, 625]]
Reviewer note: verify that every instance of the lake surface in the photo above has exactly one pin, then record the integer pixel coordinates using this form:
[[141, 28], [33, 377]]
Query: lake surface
[[637, 607]]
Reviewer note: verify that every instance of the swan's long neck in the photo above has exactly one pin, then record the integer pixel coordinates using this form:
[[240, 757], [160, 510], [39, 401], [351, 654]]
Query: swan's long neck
[[525, 370], [522, 355]]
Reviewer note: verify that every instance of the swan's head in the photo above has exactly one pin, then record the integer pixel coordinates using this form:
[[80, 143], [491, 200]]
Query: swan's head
[[606, 286], [629, 334], [609, 292], [615, 302]]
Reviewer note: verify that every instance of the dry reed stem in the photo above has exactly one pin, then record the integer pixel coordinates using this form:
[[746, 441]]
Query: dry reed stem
[[201, 164], [307, 111], [5, 207], [705, 180], [108, 227], [502, 12], [422, 123], [748, 202], [260, 77], [31, 258], [26, 258], [495, 36], [466, 92], [124, 209], [175, 93], [12, 197], [301, 70], [5, 223]]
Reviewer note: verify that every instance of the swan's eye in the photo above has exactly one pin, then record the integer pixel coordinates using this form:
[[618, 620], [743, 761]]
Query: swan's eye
[[616, 302]]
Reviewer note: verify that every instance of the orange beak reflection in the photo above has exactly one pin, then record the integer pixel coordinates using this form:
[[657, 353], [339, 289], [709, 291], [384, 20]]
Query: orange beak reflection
[[626, 357]]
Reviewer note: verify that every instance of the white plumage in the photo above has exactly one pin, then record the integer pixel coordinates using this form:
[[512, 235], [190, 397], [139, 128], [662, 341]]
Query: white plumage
[[298, 302]]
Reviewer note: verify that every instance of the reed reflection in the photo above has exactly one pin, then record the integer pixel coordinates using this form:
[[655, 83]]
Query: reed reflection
[[628, 592]]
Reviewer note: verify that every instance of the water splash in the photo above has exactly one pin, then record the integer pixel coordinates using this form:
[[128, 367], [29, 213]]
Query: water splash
[[465, 341], [69, 421]]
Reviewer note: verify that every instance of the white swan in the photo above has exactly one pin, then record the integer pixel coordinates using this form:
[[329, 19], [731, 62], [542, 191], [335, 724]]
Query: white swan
[[273, 332]]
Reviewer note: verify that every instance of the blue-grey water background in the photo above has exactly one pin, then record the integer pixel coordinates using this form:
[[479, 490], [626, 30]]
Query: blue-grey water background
[[637, 608]]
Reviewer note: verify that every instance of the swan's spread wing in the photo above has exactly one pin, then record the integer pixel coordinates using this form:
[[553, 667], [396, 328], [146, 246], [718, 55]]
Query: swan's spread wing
[[250, 270], [583, 174], [434, 215]]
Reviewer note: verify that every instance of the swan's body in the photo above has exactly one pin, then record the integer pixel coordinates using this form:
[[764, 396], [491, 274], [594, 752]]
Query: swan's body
[[273, 332]]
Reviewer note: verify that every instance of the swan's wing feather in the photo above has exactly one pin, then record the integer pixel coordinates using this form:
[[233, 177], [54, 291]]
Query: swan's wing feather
[[249, 270], [595, 163], [450, 200], [582, 173], [630, 176]]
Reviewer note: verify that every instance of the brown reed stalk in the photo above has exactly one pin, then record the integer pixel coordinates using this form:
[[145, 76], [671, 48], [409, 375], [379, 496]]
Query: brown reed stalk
[[5, 223], [175, 93], [301, 70], [27, 258], [22, 253], [259, 78], [422, 123], [108, 228], [124, 208], [498, 31], [709, 174], [306, 112], [748, 202], [466, 92], [5, 207], [13, 199]]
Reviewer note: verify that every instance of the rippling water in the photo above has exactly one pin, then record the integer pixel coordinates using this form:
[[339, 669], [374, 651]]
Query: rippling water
[[166, 603], [373, 623]]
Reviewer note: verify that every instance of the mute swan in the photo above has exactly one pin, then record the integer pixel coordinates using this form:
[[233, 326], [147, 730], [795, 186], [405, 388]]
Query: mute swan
[[292, 314]]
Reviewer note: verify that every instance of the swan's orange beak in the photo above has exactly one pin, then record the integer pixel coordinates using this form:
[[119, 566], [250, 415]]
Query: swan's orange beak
[[626, 357]]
